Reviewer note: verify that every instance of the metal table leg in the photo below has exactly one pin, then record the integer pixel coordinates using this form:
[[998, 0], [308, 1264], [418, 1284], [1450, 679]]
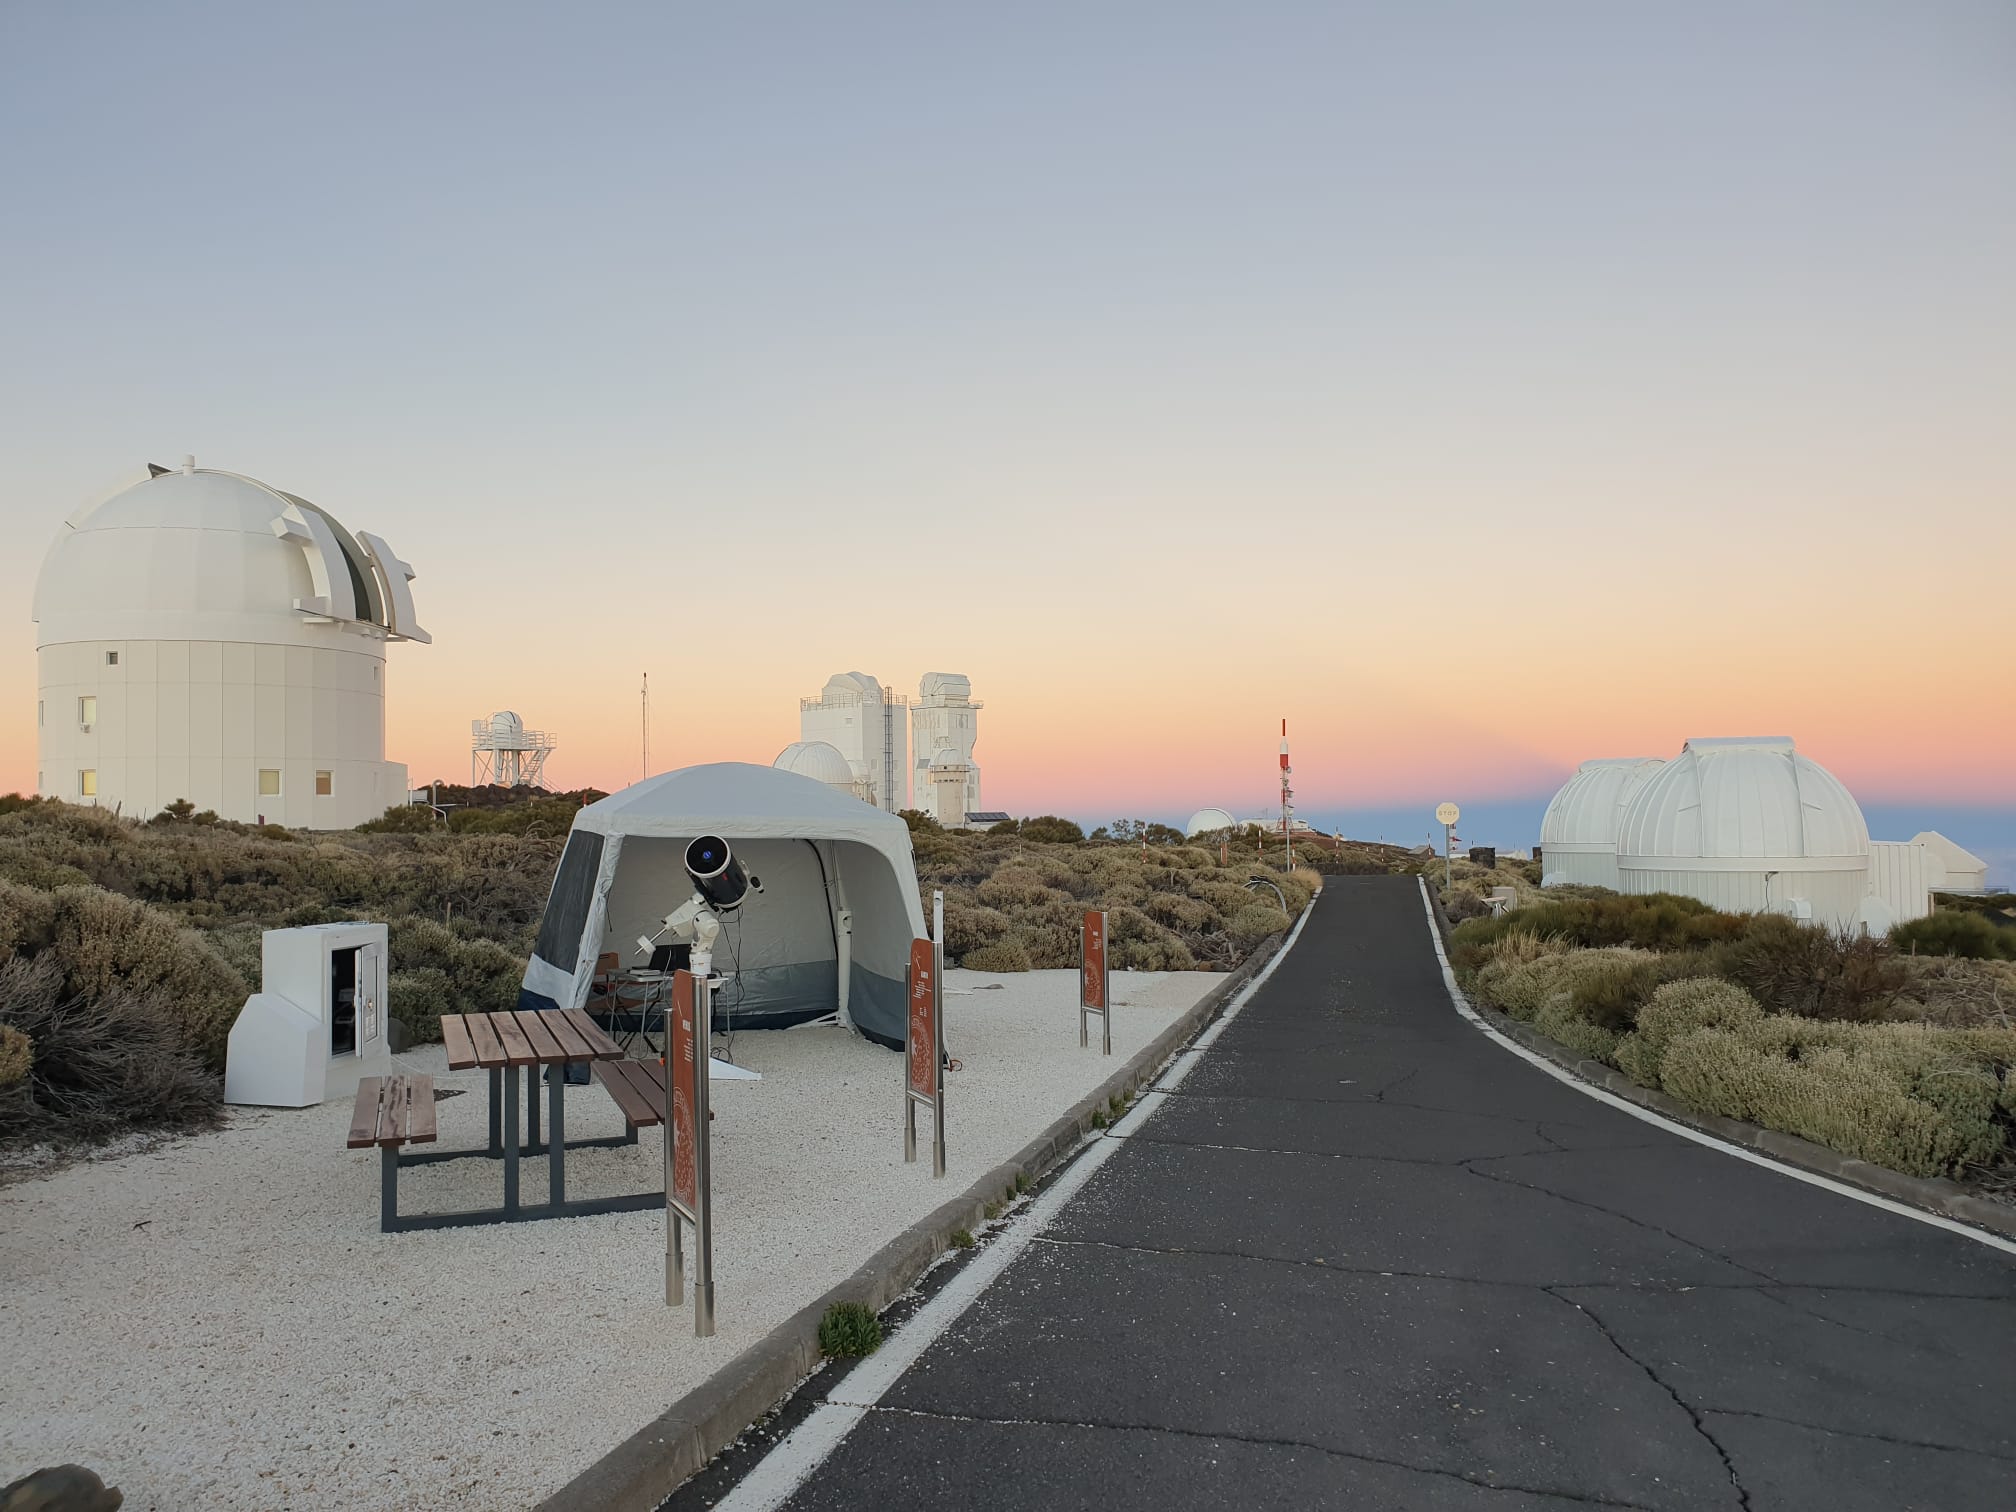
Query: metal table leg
[[388, 1188], [510, 1139], [556, 1135], [496, 1111], [532, 1109]]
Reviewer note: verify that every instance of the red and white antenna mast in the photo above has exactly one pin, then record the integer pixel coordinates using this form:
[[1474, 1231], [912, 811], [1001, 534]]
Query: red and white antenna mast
[[1287, 804]]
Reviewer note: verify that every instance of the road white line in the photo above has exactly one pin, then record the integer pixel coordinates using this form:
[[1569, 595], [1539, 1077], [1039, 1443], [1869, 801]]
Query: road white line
[[1646, 1115], [786, 1467]]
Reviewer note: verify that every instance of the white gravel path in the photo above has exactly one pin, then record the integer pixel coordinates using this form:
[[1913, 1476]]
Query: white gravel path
[[218, 1323]]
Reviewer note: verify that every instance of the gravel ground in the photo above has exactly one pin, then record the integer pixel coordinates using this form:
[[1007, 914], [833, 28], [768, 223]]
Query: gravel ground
[[217, 1322]]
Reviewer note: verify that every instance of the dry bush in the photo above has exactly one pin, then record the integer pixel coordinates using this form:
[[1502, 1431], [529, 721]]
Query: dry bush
[[17, 1054], [1005, 956], [1679, 1008], [1922, 1100], [418, 998], [1606, 986], [1798, 969], [1012, 885], [1179, 912], [1562, 1020], [969, 928], [1958, 992], [1255, 923], [104, 942], [102, 1063]]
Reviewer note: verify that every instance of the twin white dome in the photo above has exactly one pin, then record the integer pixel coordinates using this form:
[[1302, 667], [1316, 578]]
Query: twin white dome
[[1746, 824]]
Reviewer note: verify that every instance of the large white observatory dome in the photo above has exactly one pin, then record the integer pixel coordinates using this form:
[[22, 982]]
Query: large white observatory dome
[[1747, 824], [1204, 821], [822, 763], [201, 635], [1578, 835]]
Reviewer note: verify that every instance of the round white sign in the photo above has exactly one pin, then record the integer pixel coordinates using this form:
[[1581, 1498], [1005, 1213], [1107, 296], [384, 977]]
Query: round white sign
[[1448, 813]]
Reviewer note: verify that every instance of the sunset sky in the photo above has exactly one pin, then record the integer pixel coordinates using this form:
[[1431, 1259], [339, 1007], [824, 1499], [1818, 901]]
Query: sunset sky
[[1483, 387]]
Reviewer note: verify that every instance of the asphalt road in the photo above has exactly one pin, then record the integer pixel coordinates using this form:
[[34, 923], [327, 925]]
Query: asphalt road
[[1367, 1258]]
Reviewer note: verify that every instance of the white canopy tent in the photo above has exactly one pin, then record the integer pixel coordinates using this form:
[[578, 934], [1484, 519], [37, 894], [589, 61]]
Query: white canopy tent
[[830, 931]]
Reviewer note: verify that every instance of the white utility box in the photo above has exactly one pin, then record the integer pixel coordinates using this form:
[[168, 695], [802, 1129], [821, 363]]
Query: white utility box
[[318, 1022]]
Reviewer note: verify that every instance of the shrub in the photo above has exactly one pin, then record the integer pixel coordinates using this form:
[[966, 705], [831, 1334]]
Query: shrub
[[1956, 991], [1679, 1008], [17, 1054], [27, 921], [1178, 912], [1605, 987], [1012, 885], [103, 941], [1655, 921], [101, 1062], [1925, 1101], [1948, 932], [1051, 830], [1005, 956], [1255, 923], [418, 999], [849, 1329], [968, 928], [1798, 969]]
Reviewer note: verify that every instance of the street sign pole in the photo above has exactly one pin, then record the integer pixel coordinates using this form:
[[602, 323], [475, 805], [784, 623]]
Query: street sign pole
[[923, 1054], [688, 1160], [1446, 815], [1094, 981]]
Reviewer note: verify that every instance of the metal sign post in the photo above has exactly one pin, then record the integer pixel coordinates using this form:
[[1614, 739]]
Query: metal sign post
[[1094, 983], [1446, 815], [687, 1157], [923, 1066]]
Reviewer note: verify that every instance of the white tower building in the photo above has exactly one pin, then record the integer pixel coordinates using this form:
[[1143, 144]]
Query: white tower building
[[943, 730], [201, 635], [863, 721], [504, 752]]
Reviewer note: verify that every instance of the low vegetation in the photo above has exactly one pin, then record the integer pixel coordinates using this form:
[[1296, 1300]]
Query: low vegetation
[[138, 941], [849, 1330], [1890, 1050]]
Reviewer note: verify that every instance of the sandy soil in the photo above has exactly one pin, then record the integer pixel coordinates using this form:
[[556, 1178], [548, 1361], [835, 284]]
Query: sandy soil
[[217, 1322]]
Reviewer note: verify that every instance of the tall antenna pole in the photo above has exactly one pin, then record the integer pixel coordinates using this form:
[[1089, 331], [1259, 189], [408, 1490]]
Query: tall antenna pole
[[647, 724], [1287, 807]]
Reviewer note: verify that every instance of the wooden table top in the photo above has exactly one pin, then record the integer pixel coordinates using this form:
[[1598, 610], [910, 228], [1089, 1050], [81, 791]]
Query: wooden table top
[[493, 1040]]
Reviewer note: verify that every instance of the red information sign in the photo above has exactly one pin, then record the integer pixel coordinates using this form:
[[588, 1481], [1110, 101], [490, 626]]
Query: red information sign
[[1092, 973], [923, 1020], [682, 1067]]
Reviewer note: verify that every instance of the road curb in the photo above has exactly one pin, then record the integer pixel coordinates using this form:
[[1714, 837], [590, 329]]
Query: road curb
[[1950, 1199], [646, 1468]]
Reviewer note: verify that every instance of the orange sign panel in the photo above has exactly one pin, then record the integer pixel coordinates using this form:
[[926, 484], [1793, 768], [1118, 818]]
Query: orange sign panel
[[1092, 975], [923, 1047], [683, 1065]]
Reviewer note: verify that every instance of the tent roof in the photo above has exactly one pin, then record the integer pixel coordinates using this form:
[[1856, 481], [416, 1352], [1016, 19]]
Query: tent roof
[[740, 800]]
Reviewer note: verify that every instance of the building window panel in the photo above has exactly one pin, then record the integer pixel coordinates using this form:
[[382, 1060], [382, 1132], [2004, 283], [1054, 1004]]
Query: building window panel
[[111, 658], [269, 782], [87, 782], [87, 711], [325, 784]]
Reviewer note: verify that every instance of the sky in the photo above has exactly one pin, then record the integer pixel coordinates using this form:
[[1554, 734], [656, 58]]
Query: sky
[[1480, 387]]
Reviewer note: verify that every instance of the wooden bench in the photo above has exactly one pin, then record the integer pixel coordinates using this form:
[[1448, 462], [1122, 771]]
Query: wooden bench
[[637, 1088], [390, 1112]]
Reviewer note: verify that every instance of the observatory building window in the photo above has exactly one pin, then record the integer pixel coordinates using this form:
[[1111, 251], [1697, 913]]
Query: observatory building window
[[111, 658], [87, 711], [325, 784], [87, 782], [269, 782]]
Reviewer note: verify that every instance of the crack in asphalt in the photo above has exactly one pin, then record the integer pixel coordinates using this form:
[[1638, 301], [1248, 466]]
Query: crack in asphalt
[[1693, 1416], [1856, 1433], [1455, 1163], [1096, 1425]]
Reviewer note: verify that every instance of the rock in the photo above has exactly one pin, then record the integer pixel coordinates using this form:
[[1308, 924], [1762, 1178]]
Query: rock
[[60, 1488]]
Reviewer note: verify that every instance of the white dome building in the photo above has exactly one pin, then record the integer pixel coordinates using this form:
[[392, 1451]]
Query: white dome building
[[824, 763], [1578, 835], [200, 635], [1747, 825], [1204, 821]]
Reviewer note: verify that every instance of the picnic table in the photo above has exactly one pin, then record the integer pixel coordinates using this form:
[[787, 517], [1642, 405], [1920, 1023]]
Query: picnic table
[[506, 1045]]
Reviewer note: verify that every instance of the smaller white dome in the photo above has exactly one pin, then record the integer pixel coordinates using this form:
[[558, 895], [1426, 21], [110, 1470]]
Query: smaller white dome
[[1204, 821], [506, 725], [1586, 813], [819, 761]]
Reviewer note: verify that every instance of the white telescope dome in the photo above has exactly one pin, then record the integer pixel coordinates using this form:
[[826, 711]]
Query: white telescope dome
[[506, 725], [1578, 835], [1747, 824], [821, 762], [1204, 821]]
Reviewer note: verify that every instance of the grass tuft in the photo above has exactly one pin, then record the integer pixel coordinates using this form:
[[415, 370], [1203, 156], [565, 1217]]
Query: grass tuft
[[850, 1330]]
